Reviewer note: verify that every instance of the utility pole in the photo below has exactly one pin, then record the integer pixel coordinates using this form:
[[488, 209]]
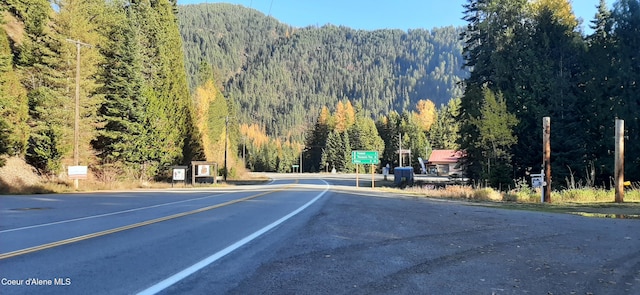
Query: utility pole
[[76, 125], [226, 140], [546, 157], [619, 164], [244, 151], [400, 150]]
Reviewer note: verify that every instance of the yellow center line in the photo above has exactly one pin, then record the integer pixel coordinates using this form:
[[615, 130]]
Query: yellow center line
[[132, 226]]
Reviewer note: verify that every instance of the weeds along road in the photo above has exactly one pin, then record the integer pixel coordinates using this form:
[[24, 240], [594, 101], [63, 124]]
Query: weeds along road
[[304, 236]]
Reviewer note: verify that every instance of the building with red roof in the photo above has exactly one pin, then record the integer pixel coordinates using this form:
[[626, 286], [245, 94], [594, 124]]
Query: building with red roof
[[445, 163]]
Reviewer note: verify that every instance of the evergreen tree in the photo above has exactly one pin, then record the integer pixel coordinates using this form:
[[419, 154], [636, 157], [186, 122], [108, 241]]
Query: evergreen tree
[[13, 103], [331, 154], [346, 163], [598, 90], [316, 143], [389, 130], [445, 132], [626, 97], [85, 21], [558, 55], [495, 126], [39, 62], [125, 139]]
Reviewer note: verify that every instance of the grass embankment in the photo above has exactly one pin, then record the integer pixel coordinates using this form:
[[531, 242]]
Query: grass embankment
[[17, 177], [591, 202]]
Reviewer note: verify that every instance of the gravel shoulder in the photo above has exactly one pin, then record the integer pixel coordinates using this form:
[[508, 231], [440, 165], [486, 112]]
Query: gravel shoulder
[[362, 244]]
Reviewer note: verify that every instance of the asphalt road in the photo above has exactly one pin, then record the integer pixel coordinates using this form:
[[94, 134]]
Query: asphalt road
[[302, 236]]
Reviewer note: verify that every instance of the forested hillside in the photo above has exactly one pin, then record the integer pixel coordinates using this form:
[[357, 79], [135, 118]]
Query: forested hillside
[[161, 84], [530, 60], [122, 62], [281, 76]]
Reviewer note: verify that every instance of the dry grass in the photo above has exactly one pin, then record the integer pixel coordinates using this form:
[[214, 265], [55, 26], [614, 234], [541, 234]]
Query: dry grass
[[524, 195], [593, 195], [16, 176], [458, 192]]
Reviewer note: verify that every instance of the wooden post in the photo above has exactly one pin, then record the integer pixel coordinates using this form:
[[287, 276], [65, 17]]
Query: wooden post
[[357, 175], [373, 177], [619, 155], [400, 150], [546, 157], [76, 123]]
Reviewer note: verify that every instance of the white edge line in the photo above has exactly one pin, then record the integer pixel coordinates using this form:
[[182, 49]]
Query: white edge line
[[221, 193], [108, 214], [213, 258]]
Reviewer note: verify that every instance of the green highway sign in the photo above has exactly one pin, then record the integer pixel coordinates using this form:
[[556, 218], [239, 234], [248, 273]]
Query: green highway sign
[[364, 157]]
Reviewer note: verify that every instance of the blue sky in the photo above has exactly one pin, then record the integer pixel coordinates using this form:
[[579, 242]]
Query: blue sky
[[376, 14]]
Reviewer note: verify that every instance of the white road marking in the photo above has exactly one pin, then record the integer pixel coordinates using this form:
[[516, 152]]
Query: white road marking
[[211, 259], [47, 199], [105, 214]]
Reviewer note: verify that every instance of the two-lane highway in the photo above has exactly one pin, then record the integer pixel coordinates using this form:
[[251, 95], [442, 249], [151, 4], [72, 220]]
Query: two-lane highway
[[305, 234], [121, 243]]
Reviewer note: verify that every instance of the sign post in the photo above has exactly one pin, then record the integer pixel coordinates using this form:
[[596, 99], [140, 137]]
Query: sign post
[[366, 158], [373, 177], [77, 172], [179, 173], [537, 181]]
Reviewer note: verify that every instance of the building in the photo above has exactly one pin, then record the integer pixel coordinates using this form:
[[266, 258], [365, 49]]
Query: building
[[445, 163]]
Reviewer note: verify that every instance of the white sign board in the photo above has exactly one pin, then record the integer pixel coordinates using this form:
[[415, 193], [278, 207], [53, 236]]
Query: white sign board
[[203, 170], [179, 174], [537, 180], [77, 172]]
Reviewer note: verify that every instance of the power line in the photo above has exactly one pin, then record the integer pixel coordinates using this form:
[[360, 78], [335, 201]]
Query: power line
[[270, 5]]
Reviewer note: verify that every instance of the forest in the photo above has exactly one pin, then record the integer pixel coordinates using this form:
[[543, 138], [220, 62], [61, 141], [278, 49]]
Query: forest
[[282, 76], [283, 79], [530, 60], [162, 84]]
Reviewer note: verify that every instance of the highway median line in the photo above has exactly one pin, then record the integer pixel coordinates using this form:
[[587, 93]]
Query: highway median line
[[131, 226]]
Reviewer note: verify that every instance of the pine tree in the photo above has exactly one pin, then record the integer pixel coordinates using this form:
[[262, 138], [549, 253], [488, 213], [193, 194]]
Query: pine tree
[[316, 143], [495, 125], [39, 63], [331, 153], [626, 97], [85, 21], [125, 140], [599, 89], [13, 105], [445, 131]]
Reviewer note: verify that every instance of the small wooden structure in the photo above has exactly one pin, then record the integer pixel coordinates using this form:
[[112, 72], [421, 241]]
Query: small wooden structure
[[203, 169]]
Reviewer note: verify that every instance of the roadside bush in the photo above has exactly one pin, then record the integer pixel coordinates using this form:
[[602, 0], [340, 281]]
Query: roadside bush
[[523, 193], [487, 194], [583, 195]]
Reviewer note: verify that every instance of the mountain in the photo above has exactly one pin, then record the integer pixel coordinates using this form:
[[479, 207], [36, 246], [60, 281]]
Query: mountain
[[281, 76]]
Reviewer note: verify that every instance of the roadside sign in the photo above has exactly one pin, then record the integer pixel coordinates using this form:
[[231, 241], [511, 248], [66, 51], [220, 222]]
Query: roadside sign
[[364, 157], [179, 174], [77, 172]]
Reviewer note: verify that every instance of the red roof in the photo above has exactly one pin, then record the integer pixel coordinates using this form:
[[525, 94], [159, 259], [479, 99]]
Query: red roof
[[445, 156]]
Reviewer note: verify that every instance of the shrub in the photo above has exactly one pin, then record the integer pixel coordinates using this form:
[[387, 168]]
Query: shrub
[[487, 194]]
